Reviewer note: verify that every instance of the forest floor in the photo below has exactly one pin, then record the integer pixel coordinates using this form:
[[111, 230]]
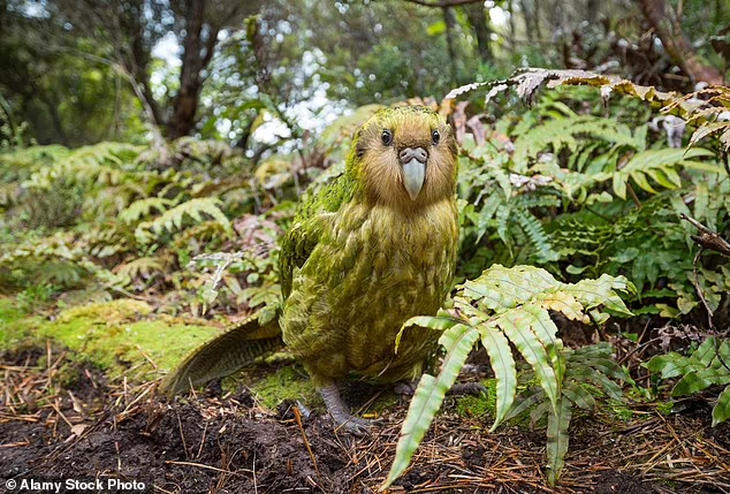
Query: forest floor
[[62, 419]]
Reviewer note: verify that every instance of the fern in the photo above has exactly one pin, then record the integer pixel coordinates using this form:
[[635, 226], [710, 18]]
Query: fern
[[52, 260], [706, 108], [20, 164], [570, 133], [143, 208], [578, 159], [143, 268], [659, 166], [173, 219], [508, 210], [101, 164], [513, 305], [645, 244], [707, 366], [517, 211], [578, 134], [536, 233]]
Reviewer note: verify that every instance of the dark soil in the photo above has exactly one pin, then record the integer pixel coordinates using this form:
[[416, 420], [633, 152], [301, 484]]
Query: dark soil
[[207, 444]]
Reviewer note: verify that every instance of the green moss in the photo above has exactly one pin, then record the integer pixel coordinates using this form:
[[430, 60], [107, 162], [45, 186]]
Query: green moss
[[386, 401], [117, 336], [665, 408], [113, 312], [620, 410], [479, 406], [10, 311], [472, 406], [12, 329], [286, 384]]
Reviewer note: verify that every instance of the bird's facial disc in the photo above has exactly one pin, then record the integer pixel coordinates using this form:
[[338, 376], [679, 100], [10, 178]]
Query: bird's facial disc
[[413, 161]]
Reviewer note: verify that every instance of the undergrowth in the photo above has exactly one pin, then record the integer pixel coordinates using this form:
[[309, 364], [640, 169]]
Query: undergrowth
[[576, 190]]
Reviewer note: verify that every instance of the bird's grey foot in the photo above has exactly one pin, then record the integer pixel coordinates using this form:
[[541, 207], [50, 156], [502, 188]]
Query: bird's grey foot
[[408, 388], [405, 388], [474, 369], [306, 412], [341, 415], [461, 389]]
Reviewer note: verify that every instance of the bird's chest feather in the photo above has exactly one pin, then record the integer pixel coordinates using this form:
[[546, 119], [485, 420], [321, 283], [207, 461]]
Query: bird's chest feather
[[393, 262], [371, 271]]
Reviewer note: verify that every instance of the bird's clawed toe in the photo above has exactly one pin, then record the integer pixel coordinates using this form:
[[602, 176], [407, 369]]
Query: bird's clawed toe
[[341, 415], [358, 426], [405, 388], [460, 389]]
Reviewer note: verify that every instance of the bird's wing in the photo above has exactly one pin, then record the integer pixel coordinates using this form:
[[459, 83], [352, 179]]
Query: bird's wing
[[311, 219]]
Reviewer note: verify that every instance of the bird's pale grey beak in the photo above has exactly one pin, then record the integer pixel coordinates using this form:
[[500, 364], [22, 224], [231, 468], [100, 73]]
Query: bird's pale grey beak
[[413, 162]]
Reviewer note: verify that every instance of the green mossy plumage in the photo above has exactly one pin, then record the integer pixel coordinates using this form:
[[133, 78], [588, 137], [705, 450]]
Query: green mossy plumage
[[358, 263], [360, 259]]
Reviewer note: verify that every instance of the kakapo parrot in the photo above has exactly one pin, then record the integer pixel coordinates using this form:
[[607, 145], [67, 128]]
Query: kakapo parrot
[[366, 253]]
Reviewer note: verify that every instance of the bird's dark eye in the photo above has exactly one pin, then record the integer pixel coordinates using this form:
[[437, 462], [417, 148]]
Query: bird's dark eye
[[386, 137], [435, 137]]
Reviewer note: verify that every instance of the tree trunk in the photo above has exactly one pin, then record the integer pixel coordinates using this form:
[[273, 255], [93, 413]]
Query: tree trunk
[[512, 27], [137, 60], [450, 21], [186, 101], [592, 7], [55, 118], [529, 19], [663, 19], [196, 56], [478, 20], [536, 14]]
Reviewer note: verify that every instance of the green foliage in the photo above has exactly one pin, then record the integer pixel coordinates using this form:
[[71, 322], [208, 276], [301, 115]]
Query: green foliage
[[584, 195], [286, 384], [142, 208], [110, 335], [108, 216], [659, 165], [172, 220], [707, 366], [586, 187], [506, 306], [479, 406]]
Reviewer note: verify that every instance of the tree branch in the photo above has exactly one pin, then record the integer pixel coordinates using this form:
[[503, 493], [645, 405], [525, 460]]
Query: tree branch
[[664, 20], [444, 3]]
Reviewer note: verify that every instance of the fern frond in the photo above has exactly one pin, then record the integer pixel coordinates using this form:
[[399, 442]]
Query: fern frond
[[173, 219], [660, 165], [142, 267], [20, 164], [536, 233], [100, 164], [511, 305], [458, 342], [702, 108], [143, 208], [563, 133]]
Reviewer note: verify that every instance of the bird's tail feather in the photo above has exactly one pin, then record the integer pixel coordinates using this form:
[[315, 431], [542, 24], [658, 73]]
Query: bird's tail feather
[[224, 355]]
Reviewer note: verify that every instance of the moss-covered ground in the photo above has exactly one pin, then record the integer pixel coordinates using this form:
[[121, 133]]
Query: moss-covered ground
[[125, 338], [119, 336]]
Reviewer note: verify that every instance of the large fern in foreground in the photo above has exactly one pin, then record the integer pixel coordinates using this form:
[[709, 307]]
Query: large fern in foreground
[[512, 305]]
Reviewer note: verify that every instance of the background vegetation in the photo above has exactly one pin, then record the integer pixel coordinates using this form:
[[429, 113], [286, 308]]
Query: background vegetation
[[152, 153]]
